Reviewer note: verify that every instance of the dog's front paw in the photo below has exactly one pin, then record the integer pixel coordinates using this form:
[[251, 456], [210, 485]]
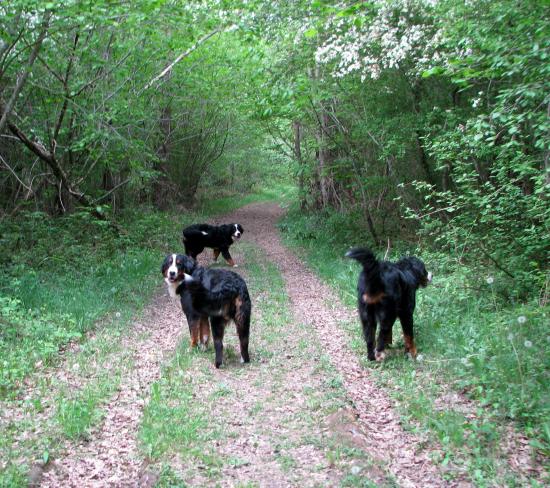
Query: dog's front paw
[[380, 355]]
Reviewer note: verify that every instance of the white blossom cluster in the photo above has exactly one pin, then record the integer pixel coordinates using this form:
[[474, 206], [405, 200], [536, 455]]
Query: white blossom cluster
[[401, 35]]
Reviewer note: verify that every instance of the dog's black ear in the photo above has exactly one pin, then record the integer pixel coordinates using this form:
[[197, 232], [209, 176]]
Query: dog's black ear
[[189, 264], [165, 264]]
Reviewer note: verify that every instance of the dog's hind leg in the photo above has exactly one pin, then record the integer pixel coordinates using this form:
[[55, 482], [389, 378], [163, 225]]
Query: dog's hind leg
[[193, 251], [194, 330], [242, 321], [227, 256], [408, 333], [368, 321], [386, 323], [204, 331], [218, 328], [216, 254], [388, 338]]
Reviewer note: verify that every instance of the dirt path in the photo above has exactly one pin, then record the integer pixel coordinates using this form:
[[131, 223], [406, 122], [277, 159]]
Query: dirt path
[[274, 413], [316, 306], [110, 457], [303, 413]]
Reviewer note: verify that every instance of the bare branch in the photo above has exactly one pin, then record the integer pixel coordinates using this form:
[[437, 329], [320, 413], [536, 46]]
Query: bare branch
[[21, 80], [180, 57], [111, 190], [12, 171]]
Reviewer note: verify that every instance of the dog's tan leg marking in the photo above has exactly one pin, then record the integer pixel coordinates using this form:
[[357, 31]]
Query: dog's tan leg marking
[[373, 299], [410, 346], [204, 331], [194, 329], [238, 312]]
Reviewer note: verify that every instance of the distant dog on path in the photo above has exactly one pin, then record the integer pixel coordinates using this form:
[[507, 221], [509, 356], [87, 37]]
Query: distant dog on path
[[219, 294], [386, 291], [218, 237]]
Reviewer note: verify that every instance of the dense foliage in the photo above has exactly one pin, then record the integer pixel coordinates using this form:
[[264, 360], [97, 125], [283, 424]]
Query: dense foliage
[[105, 106], [412, 125], [432, 110]]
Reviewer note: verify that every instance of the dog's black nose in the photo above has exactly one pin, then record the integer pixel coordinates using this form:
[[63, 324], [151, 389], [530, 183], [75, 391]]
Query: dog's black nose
[[172, 273]]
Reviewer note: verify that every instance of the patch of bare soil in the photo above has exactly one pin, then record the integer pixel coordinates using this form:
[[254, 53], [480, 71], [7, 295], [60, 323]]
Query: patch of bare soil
[[269, 437]]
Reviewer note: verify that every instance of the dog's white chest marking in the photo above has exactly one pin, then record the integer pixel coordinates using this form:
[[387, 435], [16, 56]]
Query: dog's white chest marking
[[172, 286], [204, 233]]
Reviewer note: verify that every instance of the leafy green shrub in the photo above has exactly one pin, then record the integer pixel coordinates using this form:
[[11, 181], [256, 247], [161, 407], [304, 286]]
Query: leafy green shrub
[[61, 276], [494, 145]]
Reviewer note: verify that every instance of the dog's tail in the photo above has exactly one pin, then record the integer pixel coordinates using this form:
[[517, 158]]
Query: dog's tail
[[371, 275], [363, 255]]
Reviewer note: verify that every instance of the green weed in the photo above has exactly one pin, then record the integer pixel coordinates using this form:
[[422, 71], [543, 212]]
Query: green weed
[[171, 420], [77, 413]]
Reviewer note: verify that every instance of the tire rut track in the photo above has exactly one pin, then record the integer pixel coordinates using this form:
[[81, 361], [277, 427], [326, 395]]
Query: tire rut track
[[110, 457], [384, 435]]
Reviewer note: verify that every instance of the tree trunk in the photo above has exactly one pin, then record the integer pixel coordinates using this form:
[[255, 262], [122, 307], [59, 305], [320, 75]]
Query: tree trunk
[[59, 173], [297, 130], [324, 159]]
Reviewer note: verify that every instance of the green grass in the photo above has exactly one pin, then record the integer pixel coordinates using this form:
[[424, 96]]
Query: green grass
[[70, 274], [175, 424], [171, 420], [471, 339], [77, 413]]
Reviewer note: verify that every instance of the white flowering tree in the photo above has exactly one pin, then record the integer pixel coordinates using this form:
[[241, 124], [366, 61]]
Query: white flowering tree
[[395, 34]]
